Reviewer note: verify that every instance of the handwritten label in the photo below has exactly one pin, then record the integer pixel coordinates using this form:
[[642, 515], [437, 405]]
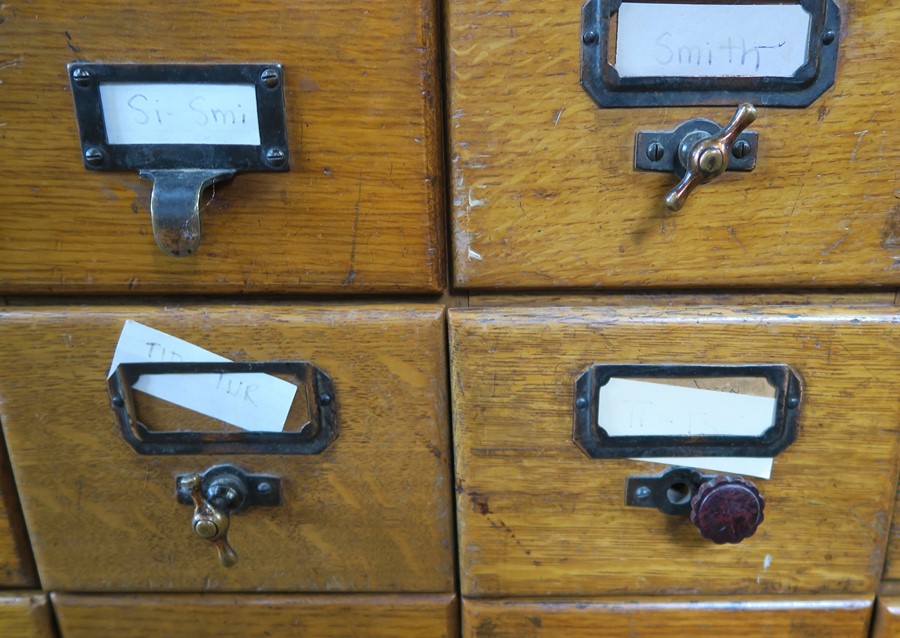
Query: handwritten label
[[711, 40], [157, 113], [639, 408], [252, 401]]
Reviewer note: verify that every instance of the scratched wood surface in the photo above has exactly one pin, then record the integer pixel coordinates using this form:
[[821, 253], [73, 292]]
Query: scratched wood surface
[[892, 562], [664, 617], [373, 512], [545, 196], [16, 561], [258, 616], [886, 623], [700, 298], [537, 517], [25, 615], [360, 211]]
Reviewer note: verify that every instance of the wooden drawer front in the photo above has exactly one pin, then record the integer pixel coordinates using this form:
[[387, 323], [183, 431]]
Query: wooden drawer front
[[360, 210], [372, 512], [785, 617], [892, 564], [25, 615], [16, 561], [887, 618], [545, 193], [538, 517], [254, 616]]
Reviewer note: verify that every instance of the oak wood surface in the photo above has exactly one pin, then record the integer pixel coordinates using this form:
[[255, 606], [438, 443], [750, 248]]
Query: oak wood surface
[[544, 194], [16, 561], [664, 617], [25, 615], [537, 517], [373, 512], [256, 616], [886, 623], [892, 561], [681, 298], [360, 211]]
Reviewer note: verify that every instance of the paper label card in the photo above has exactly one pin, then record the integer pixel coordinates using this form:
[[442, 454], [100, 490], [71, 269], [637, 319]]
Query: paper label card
[[160, 113], [640, 408], [251, 401], [711, 40]]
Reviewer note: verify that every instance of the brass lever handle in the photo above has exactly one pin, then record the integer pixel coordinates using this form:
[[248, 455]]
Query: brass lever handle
[[706, 156], [209, 522]]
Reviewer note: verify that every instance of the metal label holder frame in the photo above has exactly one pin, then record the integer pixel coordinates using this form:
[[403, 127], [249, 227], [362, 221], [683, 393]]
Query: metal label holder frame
[[597, 443], [180, 172], [319, 433], [602, 82]]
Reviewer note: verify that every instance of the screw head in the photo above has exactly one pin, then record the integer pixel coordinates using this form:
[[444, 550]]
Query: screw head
[[740, 149], [269, 77], [828, 37], [264, 488], [655, 152], [275, 157], [711, 161], [205, 528], [93, 156], [325, 399], [793, 401], [590, 37], [581, 403], [81, 77], [642, 492], [118, 401]]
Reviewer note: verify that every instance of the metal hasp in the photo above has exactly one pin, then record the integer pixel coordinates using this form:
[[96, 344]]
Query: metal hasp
[[725, 509], [605, 86], [220, 492], [589, 435], [698, 151], [180, 171], [312, 438]]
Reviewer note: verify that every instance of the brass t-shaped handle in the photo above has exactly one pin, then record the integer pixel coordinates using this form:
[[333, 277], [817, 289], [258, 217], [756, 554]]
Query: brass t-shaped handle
[[209, 522], [705, 156]]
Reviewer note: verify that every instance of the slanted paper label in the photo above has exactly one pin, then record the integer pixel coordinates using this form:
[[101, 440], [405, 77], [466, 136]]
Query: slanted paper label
[[711, 40], [640, 408], [252, 401], [158, 113]]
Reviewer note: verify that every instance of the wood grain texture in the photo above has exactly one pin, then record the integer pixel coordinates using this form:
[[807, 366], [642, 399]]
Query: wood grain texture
[[257, 616], [700, 298], [545, 196], [16, 561], [25, 615], [360, 211], [537, 517], [886, 623], [373, 512], [892, 562], [664, 617]]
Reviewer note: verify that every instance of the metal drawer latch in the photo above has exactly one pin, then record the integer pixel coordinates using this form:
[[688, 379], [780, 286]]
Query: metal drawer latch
[[183, 126], [726, 509], [698, 151], [217, 494]]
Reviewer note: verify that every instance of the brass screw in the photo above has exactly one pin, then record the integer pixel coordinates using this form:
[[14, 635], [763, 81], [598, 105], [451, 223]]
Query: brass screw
[[711, 161], [205, 529], [269, 77]]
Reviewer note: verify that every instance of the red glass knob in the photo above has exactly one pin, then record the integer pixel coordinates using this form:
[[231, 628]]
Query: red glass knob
[[727, 509]]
